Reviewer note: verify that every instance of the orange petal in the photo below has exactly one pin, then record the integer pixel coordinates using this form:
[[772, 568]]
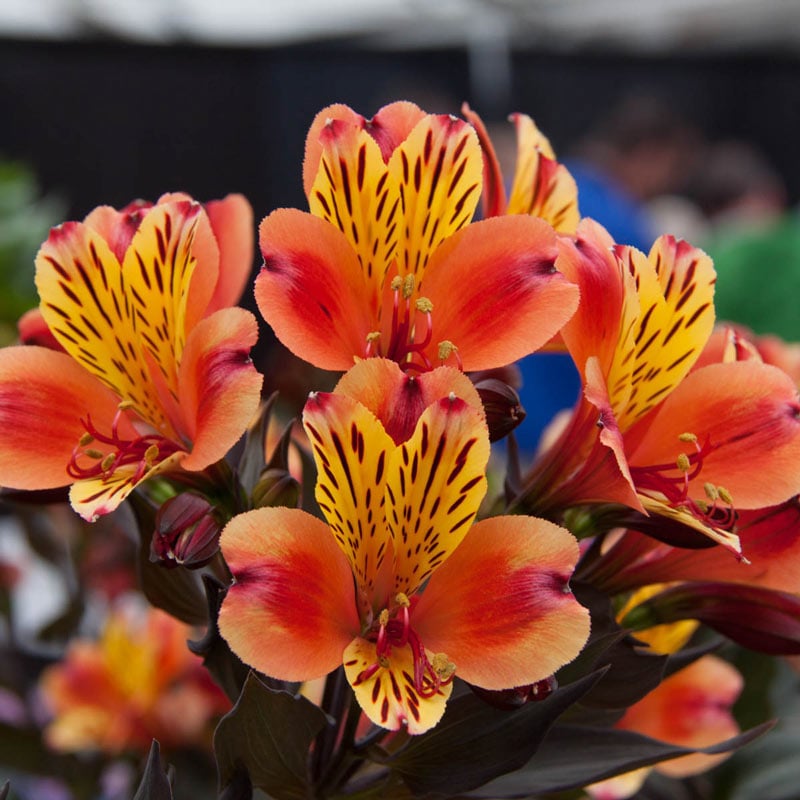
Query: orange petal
[[312, 290], [232, 223], [489, 273], [500, 607], [391, 126], [439, 171], [290, 612], [542, 187], [598, 329], [44, 394], [352, 452], [219, 388], [749, 414], [388, 696], [355, 193], [398, 399], [691, 708], [435, 484], [494, 191]]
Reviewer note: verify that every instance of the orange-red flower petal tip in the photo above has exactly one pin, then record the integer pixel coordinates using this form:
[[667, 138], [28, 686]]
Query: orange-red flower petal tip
[[500, 606], [489, 273], [290, 612], [311, 289]]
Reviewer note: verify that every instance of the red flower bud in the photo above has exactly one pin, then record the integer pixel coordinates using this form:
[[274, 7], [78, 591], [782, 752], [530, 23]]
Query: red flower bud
[[187, 532]]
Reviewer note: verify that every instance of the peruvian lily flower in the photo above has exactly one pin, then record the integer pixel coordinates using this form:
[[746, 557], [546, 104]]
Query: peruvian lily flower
[[155, 373], [541, 187], [678, 445], [398, 584], [691, 708], [139, 681], [387, 263]]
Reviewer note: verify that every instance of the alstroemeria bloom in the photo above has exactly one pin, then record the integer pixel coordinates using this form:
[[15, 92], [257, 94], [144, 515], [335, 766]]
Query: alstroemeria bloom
[[387, 262], [138, 682], [691, 708], [399, 585], [650, 432], [156, 373], [541, 187]]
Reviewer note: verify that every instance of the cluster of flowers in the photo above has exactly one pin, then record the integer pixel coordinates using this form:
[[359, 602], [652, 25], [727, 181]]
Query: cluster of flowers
[[670, 488]]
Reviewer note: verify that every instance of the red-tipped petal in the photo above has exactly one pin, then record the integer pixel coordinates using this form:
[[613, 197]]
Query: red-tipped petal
[[43, 396], [232, 223], [312, 291], [219, 388], [313, 151], [398, 399], [494, 192], [490, 273], [749, 414], [501, 608], [291, 610]]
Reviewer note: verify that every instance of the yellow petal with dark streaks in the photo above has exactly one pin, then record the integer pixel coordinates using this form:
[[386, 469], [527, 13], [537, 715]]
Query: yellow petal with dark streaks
[[352, 451], [157, 271], [439, 169], [354, 191], [675, 287], [387, 695], [542, 187], [436, 482]]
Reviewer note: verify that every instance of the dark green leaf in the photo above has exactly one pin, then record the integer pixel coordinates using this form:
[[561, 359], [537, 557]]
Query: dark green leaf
[[475, 742], [177, 591], [154, 784], [268, 733], [573, 756], [226, 668]]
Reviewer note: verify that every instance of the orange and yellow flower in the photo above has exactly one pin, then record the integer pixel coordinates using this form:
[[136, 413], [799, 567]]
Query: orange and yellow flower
[[678, 443], [401, 463], [691, 708], [137, 683], [387, 262], [155, 371]]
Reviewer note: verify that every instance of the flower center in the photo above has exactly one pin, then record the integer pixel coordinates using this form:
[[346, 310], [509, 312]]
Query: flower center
[[404, 346], [100, 455], [672, 482], [392, 628]]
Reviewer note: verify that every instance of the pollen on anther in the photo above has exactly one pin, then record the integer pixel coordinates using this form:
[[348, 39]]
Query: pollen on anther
[[711, 491], [373, 336], [396, 283], [86, 439], [446, 349], [725, 495], [688, 437], [424, 305], [683, 463], [408, 286]]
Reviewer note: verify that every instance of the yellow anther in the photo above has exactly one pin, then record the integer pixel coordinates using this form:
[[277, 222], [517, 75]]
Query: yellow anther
[[446, 349], [87, 438], [396, 283], [108, 462], [711, 491], [688, 437], [683, 463], [703, 506], [402, 600], [443, 666], [373, 336], [383, 661], [408, 286], [124, 405], [725, 495], [424, 305], [151, 454], [94, 454], [383, 618]]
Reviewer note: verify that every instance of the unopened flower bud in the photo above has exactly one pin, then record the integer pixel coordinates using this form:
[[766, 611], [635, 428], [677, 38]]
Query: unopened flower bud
[[276, 487], [502, 405], [187, 532]]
